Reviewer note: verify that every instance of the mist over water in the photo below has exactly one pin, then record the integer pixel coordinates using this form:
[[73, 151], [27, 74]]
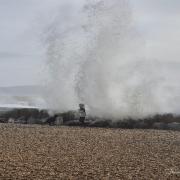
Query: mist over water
[[94, 55]]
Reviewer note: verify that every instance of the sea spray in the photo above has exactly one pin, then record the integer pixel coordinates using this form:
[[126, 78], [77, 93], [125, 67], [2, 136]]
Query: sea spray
[[94, 55]]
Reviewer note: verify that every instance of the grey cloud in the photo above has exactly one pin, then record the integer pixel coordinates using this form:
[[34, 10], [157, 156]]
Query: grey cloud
[[157, 6], [13, 55]]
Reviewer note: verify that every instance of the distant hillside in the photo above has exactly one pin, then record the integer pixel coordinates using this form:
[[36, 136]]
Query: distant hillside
[[22, 96], [21, 91]]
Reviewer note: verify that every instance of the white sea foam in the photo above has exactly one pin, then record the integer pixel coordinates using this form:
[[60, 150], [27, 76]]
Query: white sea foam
[[95, 55]]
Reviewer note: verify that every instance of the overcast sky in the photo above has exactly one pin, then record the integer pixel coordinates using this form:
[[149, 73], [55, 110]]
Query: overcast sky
[[21, 54]]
